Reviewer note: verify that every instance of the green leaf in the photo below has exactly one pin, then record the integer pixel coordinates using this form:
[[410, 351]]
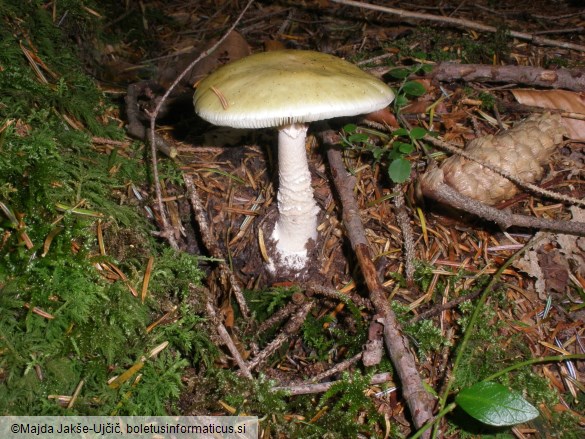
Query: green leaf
[[399, 170], [405, 148], [358, 138], [377, 153], [427, 68], [417, 133], [399, 73], [400, 101], [493, 404], [413, 88], [350, 128]]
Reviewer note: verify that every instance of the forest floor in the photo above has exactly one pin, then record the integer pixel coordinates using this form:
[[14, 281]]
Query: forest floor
[[479, 300]]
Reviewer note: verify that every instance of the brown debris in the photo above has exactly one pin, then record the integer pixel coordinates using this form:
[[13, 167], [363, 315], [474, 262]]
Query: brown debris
[[236, 189], [520, 151]]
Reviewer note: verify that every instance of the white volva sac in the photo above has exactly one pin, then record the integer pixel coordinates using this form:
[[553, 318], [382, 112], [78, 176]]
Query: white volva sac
[[287, 89]]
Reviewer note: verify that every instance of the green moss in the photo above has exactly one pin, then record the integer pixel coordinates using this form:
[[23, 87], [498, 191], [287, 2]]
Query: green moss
[[62, 321], [428, 337]]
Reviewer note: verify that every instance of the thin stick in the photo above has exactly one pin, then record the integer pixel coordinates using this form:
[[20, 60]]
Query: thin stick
[[309, 388], [461, 23], [225, 336], [444, 307], [569, 79], [331, 293], [207, 237], [339, 367], [407, 234], [419, 401], [153, 115], [291, 327], [433, 186]]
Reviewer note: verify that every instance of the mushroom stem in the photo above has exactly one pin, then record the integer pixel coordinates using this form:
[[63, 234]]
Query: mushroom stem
[[297, 222]]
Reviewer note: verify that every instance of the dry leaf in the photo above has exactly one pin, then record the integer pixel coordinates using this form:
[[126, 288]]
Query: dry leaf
[[568, 101], [572, 247], [554, 267], [529, 264], [549, 264], [384, 117], [232, 48]]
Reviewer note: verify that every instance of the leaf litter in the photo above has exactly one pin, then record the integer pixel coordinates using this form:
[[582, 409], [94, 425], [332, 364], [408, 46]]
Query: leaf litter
[[457, 251]]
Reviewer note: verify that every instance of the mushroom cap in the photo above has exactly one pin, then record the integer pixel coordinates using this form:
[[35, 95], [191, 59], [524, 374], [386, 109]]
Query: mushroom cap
[[283, 87]]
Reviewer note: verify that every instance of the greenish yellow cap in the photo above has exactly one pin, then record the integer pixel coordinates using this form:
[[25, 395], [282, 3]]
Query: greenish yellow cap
[[272, 89]]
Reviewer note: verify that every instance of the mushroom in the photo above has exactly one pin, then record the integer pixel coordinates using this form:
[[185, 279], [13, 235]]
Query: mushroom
[[287, 89]]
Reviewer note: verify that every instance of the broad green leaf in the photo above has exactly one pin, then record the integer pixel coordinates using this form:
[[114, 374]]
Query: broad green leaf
[[358, 138], [400, 101], [399, 170], [413, 88], [418, 133], [405, 148], [399, 73], [350, 128], [493, 404]]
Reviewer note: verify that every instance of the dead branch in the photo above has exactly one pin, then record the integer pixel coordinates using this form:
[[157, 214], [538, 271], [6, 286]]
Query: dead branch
[[225, 336], [227, 276], [417, 398], [291, 328], [339, 367], [568, 79], [498, 170], [407, 234], [433, 186], [309, 388], [444, 307], [464, 24], [316, 288], [277, 317]]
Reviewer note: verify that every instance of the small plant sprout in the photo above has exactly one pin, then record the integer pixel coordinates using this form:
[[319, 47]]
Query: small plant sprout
[[394, 151]]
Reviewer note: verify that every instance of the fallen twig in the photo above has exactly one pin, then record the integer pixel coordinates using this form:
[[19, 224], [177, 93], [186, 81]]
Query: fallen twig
[[277, 317], [339, 367], [316, 288], [228, 277], [465, 24], [213, 315], [433, 186], [444, 307], [154, 114], [291, 328], [309, 388], [407, 234], [417, 398], [568, 79]]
